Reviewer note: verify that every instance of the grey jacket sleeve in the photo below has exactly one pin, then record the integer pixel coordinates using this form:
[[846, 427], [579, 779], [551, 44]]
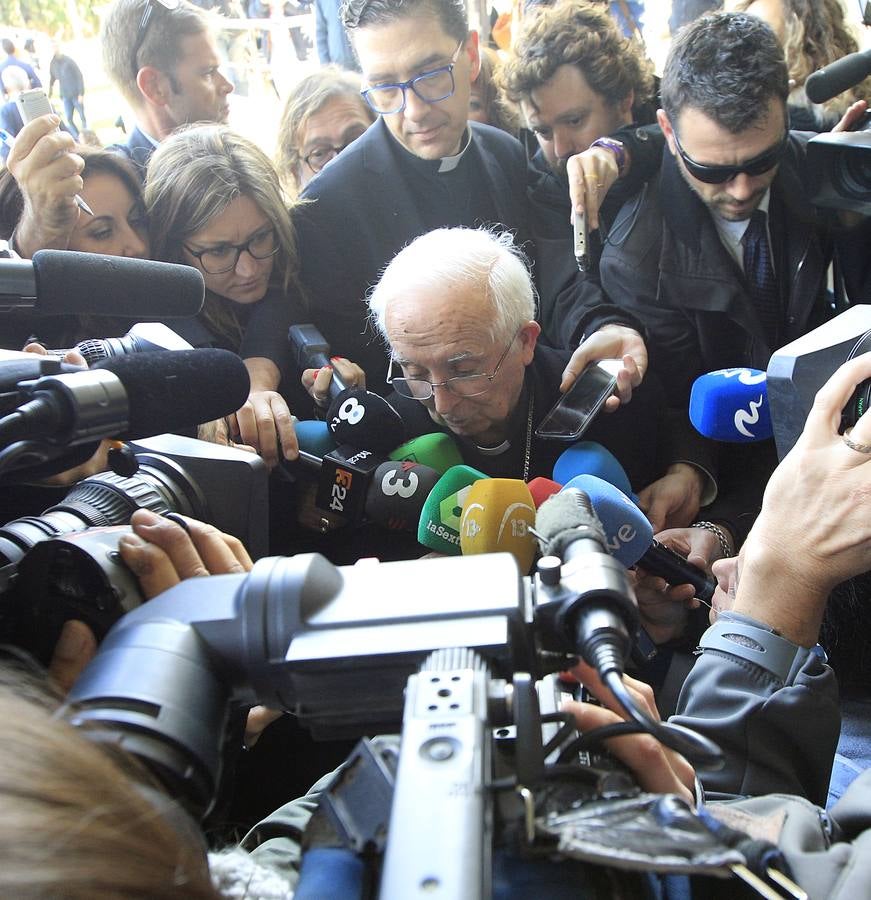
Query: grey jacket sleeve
[[777, 736]]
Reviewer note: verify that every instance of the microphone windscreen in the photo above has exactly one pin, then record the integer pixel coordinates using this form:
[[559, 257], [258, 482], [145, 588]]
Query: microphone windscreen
[[397, 494], [542, 488], [173, 390], [497, 517], [314, 437], [731, 405], [590, 458], [439, 526], [365, 420], [73, 283], [628, 533], [438, 451]]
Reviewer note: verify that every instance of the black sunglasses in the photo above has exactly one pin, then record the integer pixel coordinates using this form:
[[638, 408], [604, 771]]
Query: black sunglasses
[[760, 164], [144, 22]]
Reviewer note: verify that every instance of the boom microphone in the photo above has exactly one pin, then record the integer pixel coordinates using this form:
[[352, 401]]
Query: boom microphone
[[61, 282], [629, 537], [838, 76], [129, 397], [731, 405]]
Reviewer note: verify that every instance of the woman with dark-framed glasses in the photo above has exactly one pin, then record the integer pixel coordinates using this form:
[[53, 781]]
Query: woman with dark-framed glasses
[[214, 202]]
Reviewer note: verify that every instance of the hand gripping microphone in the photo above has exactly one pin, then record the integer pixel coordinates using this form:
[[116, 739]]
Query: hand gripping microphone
[[629, 537], [311, 351], [498, 516], [363, 419], [398, 492], [61, 282], [439, 526], [437, 450], [591, 603], [590, 458], [731, 405], [315, 441]]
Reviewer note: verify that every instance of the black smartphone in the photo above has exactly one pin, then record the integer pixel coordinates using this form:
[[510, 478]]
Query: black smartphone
[[573, 412]]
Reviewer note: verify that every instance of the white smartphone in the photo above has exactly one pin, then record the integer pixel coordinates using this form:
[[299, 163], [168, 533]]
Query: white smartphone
[[32, 104], [582, 241]]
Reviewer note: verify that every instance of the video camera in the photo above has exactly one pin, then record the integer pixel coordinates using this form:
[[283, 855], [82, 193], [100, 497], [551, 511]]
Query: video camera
[[839, 164]]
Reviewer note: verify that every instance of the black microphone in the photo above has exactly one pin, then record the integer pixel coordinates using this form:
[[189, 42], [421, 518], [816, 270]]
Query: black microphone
[[838, 76], [61, 282], [312, 351], [363, 419], [397, 493], [129, 397], [143, 337]]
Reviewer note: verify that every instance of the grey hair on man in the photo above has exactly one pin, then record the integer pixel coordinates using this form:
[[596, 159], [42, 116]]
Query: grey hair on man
[[456, 257]]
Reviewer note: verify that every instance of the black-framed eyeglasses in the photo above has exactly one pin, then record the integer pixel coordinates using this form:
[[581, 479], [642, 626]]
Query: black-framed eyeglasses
[[431, 87], [758, 165], [225, 257], [320, 156], [144, 22], [461, 385]]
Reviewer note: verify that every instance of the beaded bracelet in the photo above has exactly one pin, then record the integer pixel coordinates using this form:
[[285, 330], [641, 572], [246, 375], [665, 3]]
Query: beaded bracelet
[[725, 543]]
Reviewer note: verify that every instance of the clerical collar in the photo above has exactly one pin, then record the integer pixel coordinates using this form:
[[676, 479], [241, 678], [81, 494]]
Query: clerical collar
[[432, 167], [515, 427], [449, 163]]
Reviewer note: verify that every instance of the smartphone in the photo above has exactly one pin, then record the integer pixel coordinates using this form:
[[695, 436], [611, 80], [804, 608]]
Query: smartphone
[[32, 104], [582, 241], [576, 409]]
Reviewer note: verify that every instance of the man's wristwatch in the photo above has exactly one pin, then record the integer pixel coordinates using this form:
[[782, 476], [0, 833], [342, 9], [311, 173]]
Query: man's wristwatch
[[617, 148]]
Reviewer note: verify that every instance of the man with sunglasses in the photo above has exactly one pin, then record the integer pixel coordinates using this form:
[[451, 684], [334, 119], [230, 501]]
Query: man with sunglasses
[[422, 166], [162, 57]]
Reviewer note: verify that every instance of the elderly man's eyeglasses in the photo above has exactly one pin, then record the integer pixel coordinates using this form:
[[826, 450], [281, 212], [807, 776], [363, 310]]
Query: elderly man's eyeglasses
[[431, 87], [224, 257], [316, 159], [758, 165], [151, 6], [461, 385]]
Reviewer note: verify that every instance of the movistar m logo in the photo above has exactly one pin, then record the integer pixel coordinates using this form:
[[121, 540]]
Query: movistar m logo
[[745, 376], [745, 417]]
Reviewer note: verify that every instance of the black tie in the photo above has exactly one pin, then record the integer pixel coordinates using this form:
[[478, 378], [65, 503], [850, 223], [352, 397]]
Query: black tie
[[760, 277]]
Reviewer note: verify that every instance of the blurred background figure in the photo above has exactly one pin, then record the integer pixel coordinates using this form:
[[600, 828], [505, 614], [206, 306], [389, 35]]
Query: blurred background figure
[[813, 34], [331, 37], [685, 11], [324, 113], [64, 71], [12, 59], [486, 104], [14, 80]]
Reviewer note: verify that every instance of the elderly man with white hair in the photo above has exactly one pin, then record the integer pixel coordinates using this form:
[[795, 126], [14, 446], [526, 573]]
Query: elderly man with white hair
[[457, 309]]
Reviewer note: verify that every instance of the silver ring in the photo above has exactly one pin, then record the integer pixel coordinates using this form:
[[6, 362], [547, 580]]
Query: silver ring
[[859, 448]]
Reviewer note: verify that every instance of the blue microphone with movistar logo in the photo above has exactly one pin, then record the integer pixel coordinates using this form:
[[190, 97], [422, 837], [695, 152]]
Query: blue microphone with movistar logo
[[731, 405]]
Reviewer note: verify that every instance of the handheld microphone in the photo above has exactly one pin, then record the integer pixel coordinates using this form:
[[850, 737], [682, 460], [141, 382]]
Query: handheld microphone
[[437, 450], [311, 351], [315, 441], [629, 537], [838, 76], [363, 419], [398, 492], [731, 405], [590, 458], [497, 517], [61, 282], [129, 397], [439, 526], [142, 338], [542, 488]]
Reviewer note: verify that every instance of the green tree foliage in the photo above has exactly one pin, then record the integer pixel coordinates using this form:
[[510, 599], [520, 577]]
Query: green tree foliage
[[61, 18]]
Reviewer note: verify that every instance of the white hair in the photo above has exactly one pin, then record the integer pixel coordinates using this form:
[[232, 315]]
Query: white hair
[[457, 257], [15, 79]]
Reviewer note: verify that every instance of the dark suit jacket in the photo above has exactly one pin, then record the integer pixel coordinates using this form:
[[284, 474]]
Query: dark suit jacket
[[137, 149], [362, 213]]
